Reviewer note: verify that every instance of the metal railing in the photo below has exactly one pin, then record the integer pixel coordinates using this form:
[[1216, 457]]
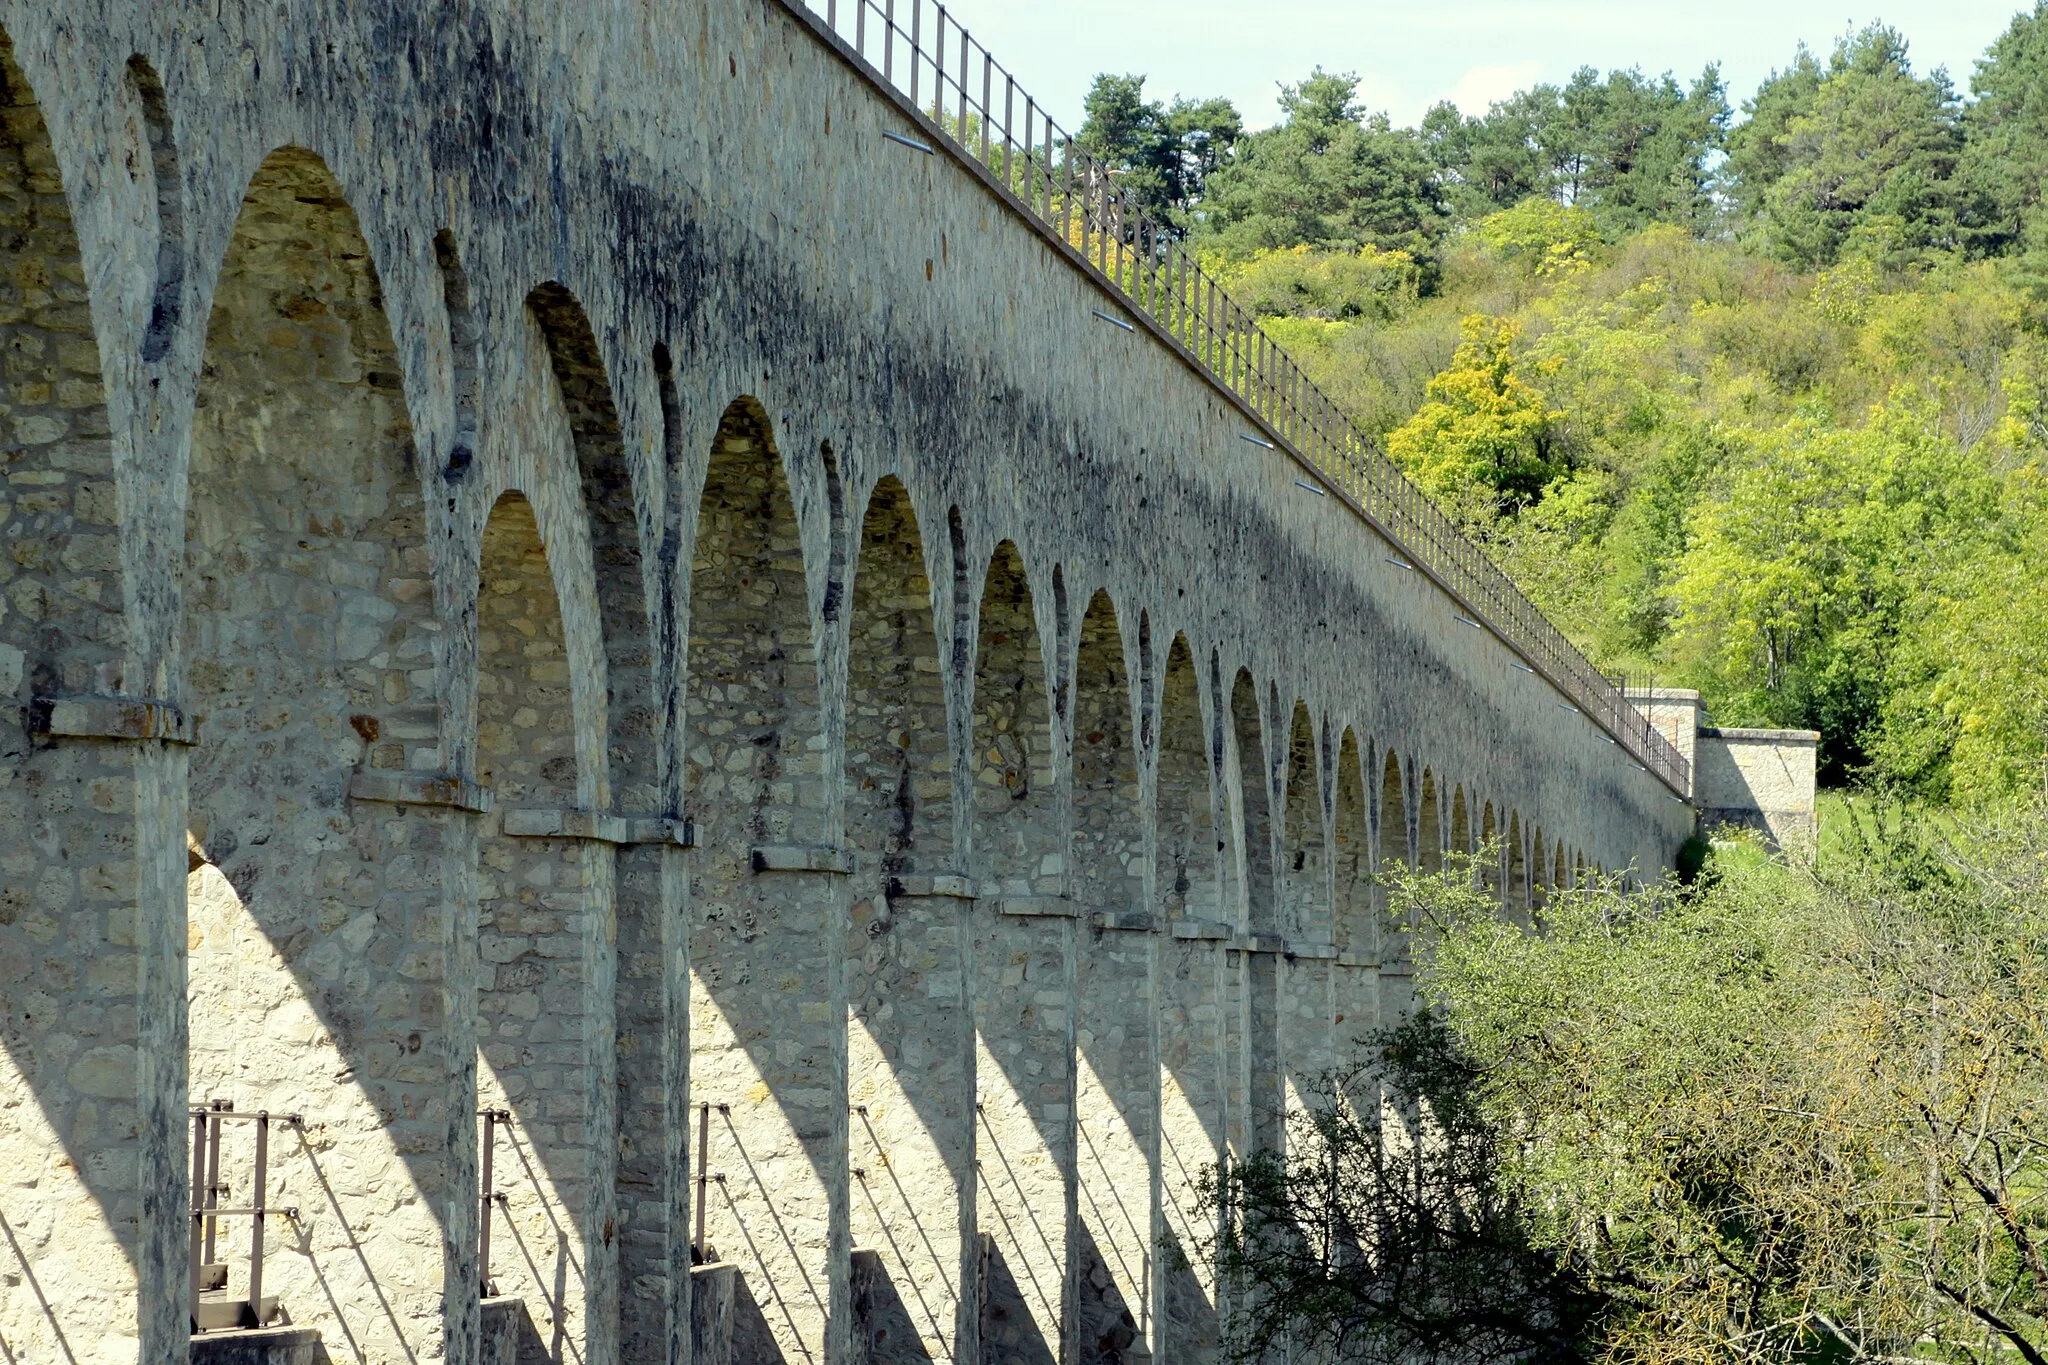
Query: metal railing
[[206, 1272], [959, 95]]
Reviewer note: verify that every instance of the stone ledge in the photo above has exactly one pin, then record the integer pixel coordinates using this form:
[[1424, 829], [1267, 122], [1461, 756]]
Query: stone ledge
[[948, 885], [129, 718], [258, 1346], [1258, 943], [599, 827], [1748, 736], [448, 790], [1313, 951], [1357, 960], [1038, 907], [801, 858], [1200, 929], [1124, 921]]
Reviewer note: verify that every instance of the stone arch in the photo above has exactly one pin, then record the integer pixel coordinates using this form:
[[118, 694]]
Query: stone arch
[[1353, 914], [1117, 1075], [1256, 822], [1024, 956], [767, 897], [909, 1076], [1306, 870], [630, 780], [1192, 1077], [1490, 863], [539, 901], [1429, 836], [1395, 845], [465, 356], [1393, 824], [1560, 872], [1461, 821], [317, 926], [70, 1048], [1190, 877], [1515, 867], [167, 299]]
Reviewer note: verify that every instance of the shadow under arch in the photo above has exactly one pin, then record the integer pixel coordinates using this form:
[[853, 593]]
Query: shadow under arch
[[768, 903], [317, 922], [70, 1043], [1461, 821], [1024, 954], [1193, 1106], [1116, 1112], [910, 1039]]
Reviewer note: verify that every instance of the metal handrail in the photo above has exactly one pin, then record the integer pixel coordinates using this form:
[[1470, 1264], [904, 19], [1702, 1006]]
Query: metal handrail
[[960, 96]]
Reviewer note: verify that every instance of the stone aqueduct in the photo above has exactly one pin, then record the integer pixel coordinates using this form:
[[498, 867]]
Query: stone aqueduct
[[553, 569]]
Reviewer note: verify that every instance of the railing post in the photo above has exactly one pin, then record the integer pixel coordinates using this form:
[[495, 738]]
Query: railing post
[[487, 1196], [889, 40], [703, 1178], [916, 45], [1009, 108], [197, 1233], [256, 1217], [212, 1200]]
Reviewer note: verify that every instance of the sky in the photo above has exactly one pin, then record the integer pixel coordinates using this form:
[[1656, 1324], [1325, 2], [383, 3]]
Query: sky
[[1411, 54]]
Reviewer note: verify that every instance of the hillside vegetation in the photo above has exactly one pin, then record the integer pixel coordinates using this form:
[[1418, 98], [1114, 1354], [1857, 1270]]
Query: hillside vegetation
[[1756, 404]]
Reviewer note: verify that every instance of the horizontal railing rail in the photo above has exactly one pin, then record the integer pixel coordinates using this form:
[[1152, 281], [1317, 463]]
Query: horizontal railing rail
[[963, 97]]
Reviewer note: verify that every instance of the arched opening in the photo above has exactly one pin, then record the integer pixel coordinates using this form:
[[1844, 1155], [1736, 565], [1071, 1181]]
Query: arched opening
[[911, 1139], [1307, 870], [1515, 862], [465, 355], [1393, 840], [1118, 1073], [1258, 964], [1024, 958], [1192, 1076], [766, 900], [1396, 847], [1429, 830], [1539, 870], [318, 931], [1490, 847], [1189, 871], [1256, 824], [71, 1048], [1305, 1004], [1355, 935], [1560, 871], [535, 939], [1461, 822]]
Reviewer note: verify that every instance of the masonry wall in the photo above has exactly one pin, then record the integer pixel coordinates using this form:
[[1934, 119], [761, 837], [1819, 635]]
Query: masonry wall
[[553, 569]]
